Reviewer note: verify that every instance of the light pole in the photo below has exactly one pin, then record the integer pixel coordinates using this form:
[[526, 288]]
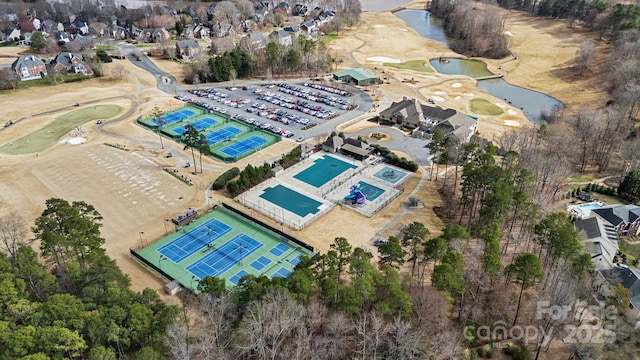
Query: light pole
[[240, 247], [140, 234], [162, 257], [166, 232]]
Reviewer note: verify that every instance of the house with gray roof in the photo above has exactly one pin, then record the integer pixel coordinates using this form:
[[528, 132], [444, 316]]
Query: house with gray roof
[[187, 49], [424, 119], [598, 239], [282, 38], [630, 279], [10, 34], [333, 144], [79, 27], [69, 63], [50, 26], [29, 67], [625, 219]]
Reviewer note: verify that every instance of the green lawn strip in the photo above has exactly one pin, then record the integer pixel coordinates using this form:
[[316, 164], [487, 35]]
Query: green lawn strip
[[415, 65], [59, 128], [483, 107], [48, 81]]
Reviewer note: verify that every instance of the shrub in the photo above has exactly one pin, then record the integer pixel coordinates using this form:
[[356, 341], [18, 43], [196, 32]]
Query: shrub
[[103, 56], [486, 351], [222, 180], [516, 352]]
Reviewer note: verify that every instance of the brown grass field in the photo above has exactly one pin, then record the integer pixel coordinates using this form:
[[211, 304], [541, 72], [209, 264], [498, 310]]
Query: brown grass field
[[134, 194]]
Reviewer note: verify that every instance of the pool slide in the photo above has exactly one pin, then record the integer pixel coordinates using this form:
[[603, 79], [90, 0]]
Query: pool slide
[[356, 196]]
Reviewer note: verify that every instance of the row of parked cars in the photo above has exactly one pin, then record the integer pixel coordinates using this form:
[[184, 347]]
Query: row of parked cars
[[328, 89], [303, 106], [315, 96], [265, 126], [276, 114]]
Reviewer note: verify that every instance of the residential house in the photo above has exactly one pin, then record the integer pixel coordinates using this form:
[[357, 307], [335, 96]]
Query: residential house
[[282, 8], [10, 34], [223, 29], [79, 27], [29, 23], [630, 279], [308, 27], [50, 26], [8, 14], [282, 38], [294, 30], [134, 32], [300, 10], [29, 67], [257, 41], [80, 42], [116, 32], [598, 239], [69, 63], [323, 17], [168, 10], [197, 31], [625, 219], [187, 49], [157, 35], [262, 9], [333, 144], [220, 46], [423, 119], [211, 9], [62, 36]]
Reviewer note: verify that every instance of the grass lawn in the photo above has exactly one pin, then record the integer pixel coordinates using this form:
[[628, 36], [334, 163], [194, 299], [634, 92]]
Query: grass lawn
[[105, 48], [631, 250], [484, 107], [330, 36], [59, 128], [415, 65], [581, 178]]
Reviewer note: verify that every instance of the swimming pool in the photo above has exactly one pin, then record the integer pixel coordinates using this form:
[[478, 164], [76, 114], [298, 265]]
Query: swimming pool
[[370, 191], [584, 210], [291, 200], [323, 170], [390, 175]]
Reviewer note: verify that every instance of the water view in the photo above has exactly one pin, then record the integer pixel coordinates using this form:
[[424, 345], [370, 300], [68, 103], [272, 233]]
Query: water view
[[382, 5], [532, 103]]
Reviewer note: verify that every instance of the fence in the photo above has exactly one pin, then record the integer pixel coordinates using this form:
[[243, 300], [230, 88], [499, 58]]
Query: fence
[[147, 263]]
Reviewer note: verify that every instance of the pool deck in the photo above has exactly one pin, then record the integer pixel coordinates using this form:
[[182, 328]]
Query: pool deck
[[330, 194]]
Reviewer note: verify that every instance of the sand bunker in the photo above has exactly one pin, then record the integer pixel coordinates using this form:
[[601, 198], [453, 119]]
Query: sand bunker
[[501, 105], [431, 77], [379, 26], [437, 98], [456, 85], [76, 141], [440, 93], [469, 94], [512, 112], [511, 123], [508, 33], [384, 59], [401, 29], [456, 98]]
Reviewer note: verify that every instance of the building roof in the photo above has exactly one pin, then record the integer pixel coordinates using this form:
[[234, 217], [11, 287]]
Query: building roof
[[187, 44], [355, 149], [358, 74], [26, 61], [334, 142], [616, 214], [598, 239], [629, 278], [65, 59]]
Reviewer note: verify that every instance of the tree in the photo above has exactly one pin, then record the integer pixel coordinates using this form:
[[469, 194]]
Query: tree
[[414, 237], [203, 147], [391, 252], [620, 297], [119, 71], [629, 188], [526, 269], [160, 122], [448, 277], [213, 286], [179, 28], [273, 54], [342, 252], [13, 233], [37, 41], [191, 139], [585, 52]]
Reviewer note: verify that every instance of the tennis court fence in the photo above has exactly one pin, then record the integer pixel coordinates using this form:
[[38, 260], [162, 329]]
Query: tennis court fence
[[149, 264]]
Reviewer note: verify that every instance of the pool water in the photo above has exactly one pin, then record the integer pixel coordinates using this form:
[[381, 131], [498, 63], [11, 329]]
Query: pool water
[[291, 200], [390, 175], [323, 170], [370, 191]]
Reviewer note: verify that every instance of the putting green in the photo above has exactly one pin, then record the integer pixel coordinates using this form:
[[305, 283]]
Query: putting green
[[59, 128], [483, 107], [415, 65]]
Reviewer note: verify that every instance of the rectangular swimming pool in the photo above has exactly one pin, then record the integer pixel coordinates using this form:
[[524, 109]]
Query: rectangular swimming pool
[[370, 191], [323, 170], [291, 200]]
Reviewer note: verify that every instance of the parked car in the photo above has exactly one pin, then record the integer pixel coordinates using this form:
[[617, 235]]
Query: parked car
[[379, 241]]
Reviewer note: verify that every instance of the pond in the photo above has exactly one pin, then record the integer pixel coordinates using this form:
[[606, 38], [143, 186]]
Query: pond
[[380, 6], [531, 102]]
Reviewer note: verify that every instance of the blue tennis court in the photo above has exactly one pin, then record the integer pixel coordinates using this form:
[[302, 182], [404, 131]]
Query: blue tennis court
[[244, 145], [235, 278], [189, 243], [200, 124], [295, 260], [279, 249], [174, 116], [222, 134], [224, 257], [260, 263], [282, 272], [323, 170]]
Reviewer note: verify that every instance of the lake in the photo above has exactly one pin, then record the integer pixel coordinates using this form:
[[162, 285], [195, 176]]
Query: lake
[[531, 102]]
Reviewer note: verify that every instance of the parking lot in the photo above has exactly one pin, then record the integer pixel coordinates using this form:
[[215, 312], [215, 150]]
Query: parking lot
[[292, 110]]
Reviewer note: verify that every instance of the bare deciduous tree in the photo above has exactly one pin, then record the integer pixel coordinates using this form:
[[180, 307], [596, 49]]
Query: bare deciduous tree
[[13, 232], [584, 54]]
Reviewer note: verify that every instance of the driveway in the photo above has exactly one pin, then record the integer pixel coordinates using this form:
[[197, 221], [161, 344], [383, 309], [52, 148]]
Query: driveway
[[414, 147]]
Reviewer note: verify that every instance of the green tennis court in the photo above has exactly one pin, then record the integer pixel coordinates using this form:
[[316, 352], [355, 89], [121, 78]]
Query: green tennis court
[[225, 244]]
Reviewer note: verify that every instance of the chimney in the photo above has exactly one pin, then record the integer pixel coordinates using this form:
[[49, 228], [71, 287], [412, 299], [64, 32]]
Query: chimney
[[404, 98]]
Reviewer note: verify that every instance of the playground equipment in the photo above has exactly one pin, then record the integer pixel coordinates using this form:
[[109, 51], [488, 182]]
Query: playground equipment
[[356, 196]]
